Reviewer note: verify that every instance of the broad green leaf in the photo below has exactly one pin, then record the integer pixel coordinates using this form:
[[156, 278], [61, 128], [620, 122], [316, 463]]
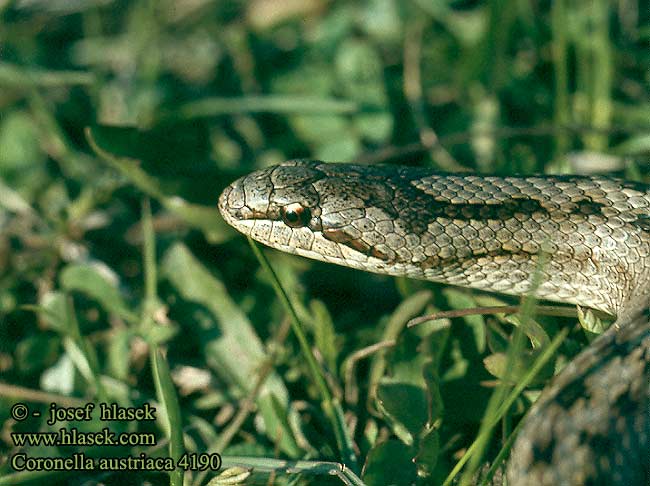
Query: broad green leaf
[[590, 322], [19, 147], [407, 421], [12, 201], [232, 348], [59, 378], [381, 19], [36, 352], [94, 281], [54, 311], [409, 308], [81, 360], [390, 464]]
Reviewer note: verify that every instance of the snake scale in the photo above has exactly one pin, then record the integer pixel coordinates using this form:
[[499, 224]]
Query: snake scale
[[591, 425]]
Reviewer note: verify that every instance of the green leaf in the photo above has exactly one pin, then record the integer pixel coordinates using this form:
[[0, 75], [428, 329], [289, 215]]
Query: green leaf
[[536, 333], [496, 364], [381, 19], [409, 308], [590, 322], [232, 348], [407, 421], [19, 147], [166, 392], [118, 348], [96, 282], [12, 201], [54, 311], [36, 352], [231, 476], [325, 338], [59, 378], [390, 464]]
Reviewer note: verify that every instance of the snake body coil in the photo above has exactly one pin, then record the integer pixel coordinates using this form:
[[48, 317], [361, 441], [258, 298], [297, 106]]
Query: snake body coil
[[592, 424]]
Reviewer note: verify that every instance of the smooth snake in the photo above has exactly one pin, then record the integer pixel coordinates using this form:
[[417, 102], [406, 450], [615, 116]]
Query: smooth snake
[[591, 424]]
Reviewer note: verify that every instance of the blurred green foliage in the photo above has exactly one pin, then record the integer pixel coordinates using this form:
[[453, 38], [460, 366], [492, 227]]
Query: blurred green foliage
[[106, 103]]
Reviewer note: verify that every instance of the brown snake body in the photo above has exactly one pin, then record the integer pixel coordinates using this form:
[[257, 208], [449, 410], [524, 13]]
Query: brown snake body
[[591, 425]]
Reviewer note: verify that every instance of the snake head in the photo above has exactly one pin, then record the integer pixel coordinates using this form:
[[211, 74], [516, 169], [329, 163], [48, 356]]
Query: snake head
[[311, 209], [281, 194]]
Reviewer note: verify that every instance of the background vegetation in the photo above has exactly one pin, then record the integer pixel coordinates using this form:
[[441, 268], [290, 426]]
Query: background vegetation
[[115, 266]]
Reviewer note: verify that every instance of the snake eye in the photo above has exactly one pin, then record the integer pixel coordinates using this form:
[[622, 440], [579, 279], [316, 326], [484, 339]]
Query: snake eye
[[295, 215]]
